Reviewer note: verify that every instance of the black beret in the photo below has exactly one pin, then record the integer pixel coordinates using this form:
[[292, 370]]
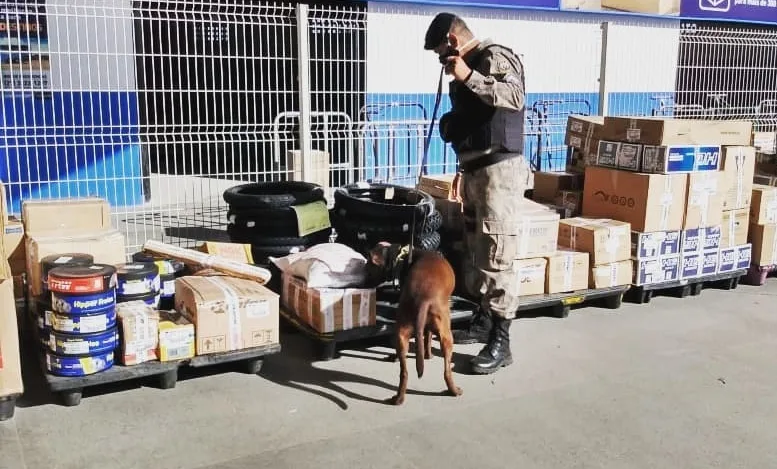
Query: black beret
[[438, 30]]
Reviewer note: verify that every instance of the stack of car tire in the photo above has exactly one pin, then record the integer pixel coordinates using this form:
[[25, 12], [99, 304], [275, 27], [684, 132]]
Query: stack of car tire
[[262, 215], [365, 214]]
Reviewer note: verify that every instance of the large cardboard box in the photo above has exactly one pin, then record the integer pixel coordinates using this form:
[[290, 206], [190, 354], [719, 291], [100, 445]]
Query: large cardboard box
[[107, 247], [648, 202], [329, 309], [680, 159], [228, 313], [763, 207], [655, 244], [611, 275], [606, 241], [531, 276], [733, 228], [567, 271], [65, 217], [139, 325], [764, 241], [535, 230], [452, 215], [651, 7], [658, 270], [438, 186], [10, 359], [738, 168], [704, 202], [665, 132], [548, 185], [589, 126]]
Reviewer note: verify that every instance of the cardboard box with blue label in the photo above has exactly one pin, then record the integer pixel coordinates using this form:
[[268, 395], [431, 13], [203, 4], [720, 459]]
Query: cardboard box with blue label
[[659, 270], [655, 244], [735, 258], [701, 239], [680, 159], [621, 155]]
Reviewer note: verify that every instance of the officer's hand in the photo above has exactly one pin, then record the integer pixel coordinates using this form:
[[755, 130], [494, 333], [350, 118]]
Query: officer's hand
[[458, 68]]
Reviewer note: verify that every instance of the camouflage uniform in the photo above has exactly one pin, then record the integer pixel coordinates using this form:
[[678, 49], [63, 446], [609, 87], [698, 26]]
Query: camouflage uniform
[[495, 173]]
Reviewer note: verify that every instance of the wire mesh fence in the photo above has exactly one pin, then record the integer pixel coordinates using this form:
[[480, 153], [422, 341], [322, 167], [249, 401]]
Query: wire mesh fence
[[160, 106]]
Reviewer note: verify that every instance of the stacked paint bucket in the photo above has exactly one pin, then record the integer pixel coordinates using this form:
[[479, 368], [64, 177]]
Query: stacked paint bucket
[[80, 319], [169, 270], [138, 281]]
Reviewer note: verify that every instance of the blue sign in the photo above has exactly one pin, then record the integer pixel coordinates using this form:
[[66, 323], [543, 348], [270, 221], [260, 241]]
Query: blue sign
[[758, 11], [538, 4]]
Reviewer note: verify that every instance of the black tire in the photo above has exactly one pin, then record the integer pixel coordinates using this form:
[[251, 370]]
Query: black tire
[[256, 237], [278, 194], [430, 241], [359, 200], [382, 228], [280, 222]]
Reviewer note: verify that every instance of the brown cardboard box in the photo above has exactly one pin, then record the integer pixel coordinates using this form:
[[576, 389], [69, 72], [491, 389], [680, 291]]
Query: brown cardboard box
[[548, 185], [567, 271], [572, 201], [139, 325], [10, 359], [233, 251], [63, 217], [452, 214], [586, 145], [764, 241], [583, 5], [738, 169], [13, 239], [228, 313], [611, 275], [536, 231], [329, 309], [733, 228], [661, 131], [438, 186], [587, 126], [765, 142], [176, 337], [606, 241], [650, 7], [704, 202], [763, 208], [531, 275], [107, 247], [648, 202]]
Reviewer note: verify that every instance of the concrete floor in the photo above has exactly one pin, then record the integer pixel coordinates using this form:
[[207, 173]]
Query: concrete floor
[[676, 384]]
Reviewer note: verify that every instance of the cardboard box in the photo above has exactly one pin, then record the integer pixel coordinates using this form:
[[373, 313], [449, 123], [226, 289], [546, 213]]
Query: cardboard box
[[228, 313], [583, 5], [709, 262], [107, 247], [571, 201], [611, 275], [701, 239], [735, 258], [588, 126], [672, 132], [548, 185], [655, 244], [176, 337], [63, 217], [738, 169], [763, 207], [658, 270], [680, 159], [567, 271], [452, 214], [10, 359], [329, 309], [438, 186], [690, 265], [578, 159], [586, 145], [606, 241], [531, 276], [607, 154], [232, 251], [139, 326], [13, 240], [733, 228], [318, 172], [764, 241], [765, 179], [704, 200], [765, 142], [652, 7], [648, 202], [536, 230]]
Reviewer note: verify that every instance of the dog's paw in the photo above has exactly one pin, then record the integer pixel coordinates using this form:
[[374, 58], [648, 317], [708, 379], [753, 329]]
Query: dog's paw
[[395, 400], [455, 392]]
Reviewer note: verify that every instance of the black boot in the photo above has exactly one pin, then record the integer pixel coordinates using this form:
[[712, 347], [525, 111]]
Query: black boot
[[479, 330], [496, 353]]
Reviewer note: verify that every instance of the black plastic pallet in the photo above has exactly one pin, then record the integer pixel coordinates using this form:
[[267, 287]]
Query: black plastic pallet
[[70, 389], [462, 309], [684, 288]]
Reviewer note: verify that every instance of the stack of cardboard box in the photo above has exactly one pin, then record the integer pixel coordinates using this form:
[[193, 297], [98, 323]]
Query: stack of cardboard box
[[663, 177], [607, 244], [561, 191], [10, 360], [763, 225]]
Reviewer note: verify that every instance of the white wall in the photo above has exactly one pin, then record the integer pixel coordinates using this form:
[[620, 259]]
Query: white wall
[[561, 51]]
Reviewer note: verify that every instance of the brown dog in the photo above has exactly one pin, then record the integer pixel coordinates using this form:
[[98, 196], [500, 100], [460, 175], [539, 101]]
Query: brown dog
[[424, 307]]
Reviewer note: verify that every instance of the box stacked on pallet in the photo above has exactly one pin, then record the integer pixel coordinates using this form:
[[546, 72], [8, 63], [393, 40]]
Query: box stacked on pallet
[[582, 136], [655, 174], [537, 241], [608, 245], [763, 227], [561, 191]]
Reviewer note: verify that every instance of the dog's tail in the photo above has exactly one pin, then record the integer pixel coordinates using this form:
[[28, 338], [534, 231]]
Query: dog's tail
[[420, 327]]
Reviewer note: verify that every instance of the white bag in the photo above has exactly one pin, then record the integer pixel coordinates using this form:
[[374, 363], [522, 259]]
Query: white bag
[[326, 265]]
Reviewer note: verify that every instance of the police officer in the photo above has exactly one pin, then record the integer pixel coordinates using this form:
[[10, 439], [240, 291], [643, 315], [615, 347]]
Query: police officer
[[485, 128]]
